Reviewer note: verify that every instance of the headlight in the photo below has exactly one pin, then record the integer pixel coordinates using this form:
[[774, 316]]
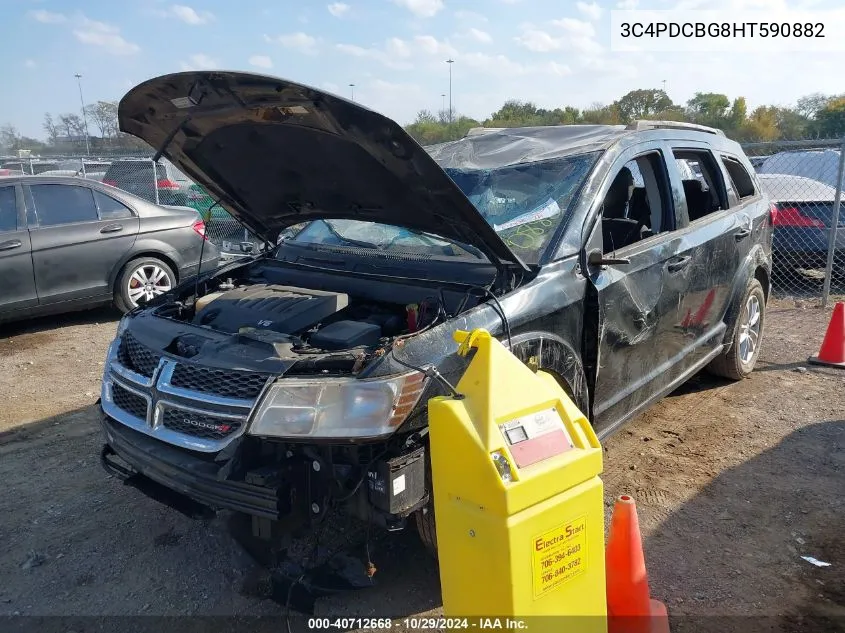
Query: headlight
[[337, 407]]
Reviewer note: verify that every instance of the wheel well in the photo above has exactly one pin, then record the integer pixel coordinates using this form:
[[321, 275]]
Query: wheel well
[[762, 275], [164, 258]]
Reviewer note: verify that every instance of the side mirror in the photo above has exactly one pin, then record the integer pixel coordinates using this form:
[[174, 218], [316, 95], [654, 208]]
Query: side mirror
[[596, 258]]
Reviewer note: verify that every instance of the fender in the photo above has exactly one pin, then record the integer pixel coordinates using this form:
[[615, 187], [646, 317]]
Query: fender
[[154, 248], [756, 259], [553, 354]]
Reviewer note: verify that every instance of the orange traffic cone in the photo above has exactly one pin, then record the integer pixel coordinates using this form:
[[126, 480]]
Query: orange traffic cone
[[832, 352], [630, 608]]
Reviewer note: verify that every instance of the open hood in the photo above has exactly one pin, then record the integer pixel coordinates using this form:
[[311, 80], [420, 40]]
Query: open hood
[[277, 153]]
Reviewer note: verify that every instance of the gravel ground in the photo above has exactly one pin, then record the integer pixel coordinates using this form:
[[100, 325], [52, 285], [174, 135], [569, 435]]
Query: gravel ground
[[734, 483]]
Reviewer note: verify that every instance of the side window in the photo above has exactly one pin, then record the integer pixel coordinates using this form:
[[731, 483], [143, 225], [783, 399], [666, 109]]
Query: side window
[[110, 209], [8, 209], [742, 183], [638, 203], [704, 188], [63, 204]]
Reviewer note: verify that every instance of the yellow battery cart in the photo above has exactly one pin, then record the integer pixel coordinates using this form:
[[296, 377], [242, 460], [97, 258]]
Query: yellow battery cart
[[517, 496]]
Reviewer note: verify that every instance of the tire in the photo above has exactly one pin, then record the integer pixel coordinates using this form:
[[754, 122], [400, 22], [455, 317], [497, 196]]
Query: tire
[[738, 362], [150, 268]]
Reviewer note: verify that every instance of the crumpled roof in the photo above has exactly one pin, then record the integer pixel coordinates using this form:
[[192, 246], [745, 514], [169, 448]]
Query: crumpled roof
[[493, 148]]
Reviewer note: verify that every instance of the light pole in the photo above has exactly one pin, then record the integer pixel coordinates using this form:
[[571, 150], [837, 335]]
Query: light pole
[[84, 117], [443, 102], [450, 61], [352, 86]]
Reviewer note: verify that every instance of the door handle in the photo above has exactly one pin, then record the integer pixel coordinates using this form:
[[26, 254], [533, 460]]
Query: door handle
[[742, 234], [679, 263], [111, 228], [7, 246]]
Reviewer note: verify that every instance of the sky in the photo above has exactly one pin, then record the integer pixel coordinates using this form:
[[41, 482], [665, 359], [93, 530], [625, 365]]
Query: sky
[[551, 52]]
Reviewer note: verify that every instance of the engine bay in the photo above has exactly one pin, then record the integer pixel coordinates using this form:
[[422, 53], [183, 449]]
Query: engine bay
[[264, 318]]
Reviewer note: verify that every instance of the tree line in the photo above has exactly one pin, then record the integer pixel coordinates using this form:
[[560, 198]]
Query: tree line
[[813, 116], [66, 133]]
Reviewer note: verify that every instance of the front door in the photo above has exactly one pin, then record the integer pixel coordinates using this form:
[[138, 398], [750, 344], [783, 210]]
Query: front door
[[639, 291]]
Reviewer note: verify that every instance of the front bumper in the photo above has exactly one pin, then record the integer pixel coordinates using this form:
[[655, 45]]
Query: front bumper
[[180, 471]]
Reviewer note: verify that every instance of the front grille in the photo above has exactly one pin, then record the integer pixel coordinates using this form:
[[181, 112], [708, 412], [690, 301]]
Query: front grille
[[132, 403], [199, 424], [139, 358], [219, 382]]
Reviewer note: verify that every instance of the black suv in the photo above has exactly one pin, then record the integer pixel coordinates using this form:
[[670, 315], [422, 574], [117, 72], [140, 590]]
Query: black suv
[[622, 260]]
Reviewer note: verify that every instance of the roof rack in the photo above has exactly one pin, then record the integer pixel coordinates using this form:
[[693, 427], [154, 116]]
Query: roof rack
[[641, 125]]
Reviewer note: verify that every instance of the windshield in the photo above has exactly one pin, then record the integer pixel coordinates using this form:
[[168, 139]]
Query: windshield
[[525, 204], [381, 237]]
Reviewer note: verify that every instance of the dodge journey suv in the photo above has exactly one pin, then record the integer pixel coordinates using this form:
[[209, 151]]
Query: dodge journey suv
[[621, 260]]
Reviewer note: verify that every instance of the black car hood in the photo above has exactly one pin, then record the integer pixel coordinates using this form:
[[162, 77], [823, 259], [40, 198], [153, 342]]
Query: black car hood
[[277, 153]]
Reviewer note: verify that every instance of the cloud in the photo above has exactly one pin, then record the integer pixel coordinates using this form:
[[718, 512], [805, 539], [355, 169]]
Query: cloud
[[627, 5], [301, 42], [421, 8], [47, 17], [470, 16], [105, 36], [575, 28], [338, 9], [479, 35], [571, 35], [592, 10], [501, 65], [261, 61], [432, 46], [199, 61], [189, 15], [30, 63], [394, 55]]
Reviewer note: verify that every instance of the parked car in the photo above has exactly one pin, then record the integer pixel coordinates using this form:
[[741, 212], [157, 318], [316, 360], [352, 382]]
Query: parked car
[[818, 164], [803, 211], [297, 381], [68, 243]]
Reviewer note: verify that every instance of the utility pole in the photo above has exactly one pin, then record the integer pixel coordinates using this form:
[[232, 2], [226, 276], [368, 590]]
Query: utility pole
[[664, 85], [352, 86], [84, 116], [450, 61]]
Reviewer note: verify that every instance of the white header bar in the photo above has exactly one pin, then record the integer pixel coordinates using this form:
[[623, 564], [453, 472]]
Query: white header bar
[[775, 31]]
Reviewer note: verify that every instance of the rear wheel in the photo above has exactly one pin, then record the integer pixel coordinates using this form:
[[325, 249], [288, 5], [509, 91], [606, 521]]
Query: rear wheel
[[142, 279], [738, 362]]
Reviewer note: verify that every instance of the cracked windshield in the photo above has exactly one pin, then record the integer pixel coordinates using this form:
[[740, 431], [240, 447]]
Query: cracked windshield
[[525, 204]]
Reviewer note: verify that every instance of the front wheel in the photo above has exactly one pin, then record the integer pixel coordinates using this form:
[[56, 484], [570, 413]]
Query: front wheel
[[142, 279], [738, 362]]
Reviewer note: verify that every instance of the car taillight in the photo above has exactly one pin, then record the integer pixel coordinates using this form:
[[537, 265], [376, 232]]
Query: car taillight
[[792, 216], [169, 185], [110, 183], [199, 227]]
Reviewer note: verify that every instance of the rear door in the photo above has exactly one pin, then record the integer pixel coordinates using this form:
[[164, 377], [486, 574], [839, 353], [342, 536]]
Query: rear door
[[80, 236], [15, 252], [717, 230]]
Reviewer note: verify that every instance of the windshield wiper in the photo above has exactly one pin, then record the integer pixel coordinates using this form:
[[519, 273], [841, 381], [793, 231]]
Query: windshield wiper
[[349, 240]]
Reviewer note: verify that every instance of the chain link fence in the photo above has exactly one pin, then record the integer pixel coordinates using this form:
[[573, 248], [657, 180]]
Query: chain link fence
[[804, 181]]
